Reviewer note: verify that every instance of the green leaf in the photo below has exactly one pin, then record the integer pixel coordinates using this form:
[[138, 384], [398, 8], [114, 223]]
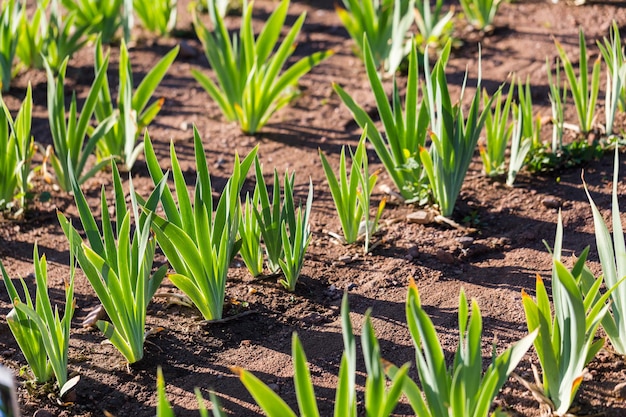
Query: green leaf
[[164, 409], [302, 378], [249, 88], [271, 404]]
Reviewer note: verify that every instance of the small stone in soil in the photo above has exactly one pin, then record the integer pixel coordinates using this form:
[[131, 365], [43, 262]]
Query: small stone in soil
[[187, 51], [314, 318], [465, 241], [551, 202], [420, 217]]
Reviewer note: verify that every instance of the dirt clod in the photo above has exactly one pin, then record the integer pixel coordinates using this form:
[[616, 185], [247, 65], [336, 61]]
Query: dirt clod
[[551, 202], [445, 256]]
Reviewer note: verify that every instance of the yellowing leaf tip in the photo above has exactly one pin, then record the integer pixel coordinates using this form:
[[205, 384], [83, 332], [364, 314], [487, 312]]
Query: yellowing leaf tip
[[576, 383], [237, 371], [386, 364]]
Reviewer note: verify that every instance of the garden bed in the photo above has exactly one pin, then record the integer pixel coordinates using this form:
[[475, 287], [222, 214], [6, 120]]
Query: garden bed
[[506, 227]]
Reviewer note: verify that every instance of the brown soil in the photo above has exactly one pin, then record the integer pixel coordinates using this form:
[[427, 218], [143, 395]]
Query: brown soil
[[506, 253]]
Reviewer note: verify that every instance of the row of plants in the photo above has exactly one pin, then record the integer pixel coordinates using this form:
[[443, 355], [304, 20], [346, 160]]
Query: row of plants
[[460, 390], [198, 240], [426, 146], [119, 123], [120, 270], [56, 29], [423, 175], [388, 25], [427, 175], [260, 89], [75, 138], [562, 331]]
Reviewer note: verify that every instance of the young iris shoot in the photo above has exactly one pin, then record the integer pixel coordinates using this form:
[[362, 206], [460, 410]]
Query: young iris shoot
[[285, 231], [10, 17], [32, 35], [463, 389], [118, 264], [434, 28], [42, 334], [69, 153], [16, 152], [453, 136], [498, 132], [565, 340], [520, 146], [558, 96], [584, 94], [250, 86], [405, 126], [270, 214], [251, 250], [53, 40], [481, 13], [382, 391], [158, 16], [48, 35], [386, 24], [133, 113], [531, 123], [295, 233], [613, 54], [103, 18], [542, 155], [380, 399], [198, 240], [163, 408], [612, 254], [352, 195]]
